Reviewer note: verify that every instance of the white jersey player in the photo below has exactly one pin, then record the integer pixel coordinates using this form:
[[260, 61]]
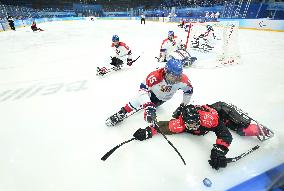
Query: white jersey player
[[169, 45], [159, 87], [122, 54]]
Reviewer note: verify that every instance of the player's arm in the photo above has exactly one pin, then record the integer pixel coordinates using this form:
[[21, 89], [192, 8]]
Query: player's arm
[[166, 127], [220, 149], [187, 90]]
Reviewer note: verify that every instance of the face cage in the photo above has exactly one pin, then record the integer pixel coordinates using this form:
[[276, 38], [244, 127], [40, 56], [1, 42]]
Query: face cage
[[193, 126], [115, 43], [171, 37], [171, 78]]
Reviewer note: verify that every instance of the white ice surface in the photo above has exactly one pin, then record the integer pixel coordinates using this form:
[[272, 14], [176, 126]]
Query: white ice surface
[[53, 108]]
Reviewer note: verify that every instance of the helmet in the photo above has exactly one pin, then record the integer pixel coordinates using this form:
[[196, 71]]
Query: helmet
[[115, 38], [209, 28], [173, 70], [171, 33], [190, 117], [174, 66]]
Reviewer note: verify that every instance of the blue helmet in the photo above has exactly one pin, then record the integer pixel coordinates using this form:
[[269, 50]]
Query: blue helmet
[[171, 33], [174, 66], [173, 71], [115, 38]]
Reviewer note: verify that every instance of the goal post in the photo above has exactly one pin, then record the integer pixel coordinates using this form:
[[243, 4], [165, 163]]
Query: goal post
[[214, 42]]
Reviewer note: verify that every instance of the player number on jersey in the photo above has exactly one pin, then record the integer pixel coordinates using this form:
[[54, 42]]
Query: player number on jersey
[[152, 79]]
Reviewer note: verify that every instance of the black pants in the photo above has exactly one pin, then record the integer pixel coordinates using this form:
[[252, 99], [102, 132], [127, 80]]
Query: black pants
[[155, 100], [116, 62], [12, 25], [143, 20], [231, 117]]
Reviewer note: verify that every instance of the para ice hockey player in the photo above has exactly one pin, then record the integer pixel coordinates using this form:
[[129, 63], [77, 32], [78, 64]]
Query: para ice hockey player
[[11, 22], [199, 120], [182, 24], [159, 87], [122, 54], [169, 45], [35, 28]]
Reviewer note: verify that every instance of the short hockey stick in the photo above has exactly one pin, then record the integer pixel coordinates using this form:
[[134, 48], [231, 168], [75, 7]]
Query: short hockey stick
[[170, 143], [242, 155], [114, 68], [114, 148], [135, 60]]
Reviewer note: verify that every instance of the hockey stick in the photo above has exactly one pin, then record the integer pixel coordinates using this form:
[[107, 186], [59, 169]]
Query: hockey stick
[[156, 125], [133, 113], [229, 160], [114, 68], [135, 60], [114, 148]]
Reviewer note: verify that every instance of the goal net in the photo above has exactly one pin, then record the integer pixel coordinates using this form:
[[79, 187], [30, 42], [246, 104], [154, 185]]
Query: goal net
[[215, 44]]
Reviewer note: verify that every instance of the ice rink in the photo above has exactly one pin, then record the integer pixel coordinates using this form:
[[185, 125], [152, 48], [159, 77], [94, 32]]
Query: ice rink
[[53, 109]]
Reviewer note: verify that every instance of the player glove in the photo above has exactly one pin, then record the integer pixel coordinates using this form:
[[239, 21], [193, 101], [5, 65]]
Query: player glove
[[217, 157], [143, 134], [129, 61], [150, 112]]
